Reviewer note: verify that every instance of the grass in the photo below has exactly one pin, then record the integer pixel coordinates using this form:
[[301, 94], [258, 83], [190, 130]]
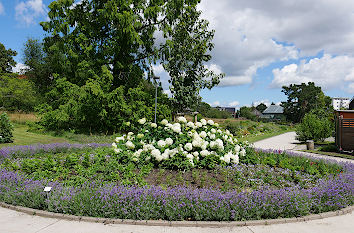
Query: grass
[[334, 154], [22, 137]]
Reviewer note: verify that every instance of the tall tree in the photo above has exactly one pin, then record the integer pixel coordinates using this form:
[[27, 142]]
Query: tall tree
[[302, 98], [6, 59], [38, 63], [261, 107], [122, 36]]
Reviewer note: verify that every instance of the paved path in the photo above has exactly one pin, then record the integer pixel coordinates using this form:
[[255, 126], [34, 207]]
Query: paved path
[[284, 141], [15, 222]]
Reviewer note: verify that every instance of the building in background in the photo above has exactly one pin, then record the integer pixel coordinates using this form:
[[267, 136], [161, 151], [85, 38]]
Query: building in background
[[228, 109], [340, 103], [274, 112]]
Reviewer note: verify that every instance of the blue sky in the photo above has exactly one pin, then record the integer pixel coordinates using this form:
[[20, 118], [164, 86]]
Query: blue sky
[[259, 45]]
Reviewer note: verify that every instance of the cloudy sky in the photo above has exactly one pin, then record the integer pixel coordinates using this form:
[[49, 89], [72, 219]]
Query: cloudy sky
[[260, 45]]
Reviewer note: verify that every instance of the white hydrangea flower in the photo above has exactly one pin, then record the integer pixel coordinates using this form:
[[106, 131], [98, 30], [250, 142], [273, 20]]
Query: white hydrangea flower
[[188, 146], [169, 141], [195, 153], [148, 147], [190, 124], [114, 145], [225, 137], [204, 153], [227, 132], [182, 119], [142, 121], [161, 143], [153, 125], [203, 121], [198, 124], [242, 152], [156, 153], [130, 133], [176, 128], [140, 135], [190, 133], [219, 131], [227, 158], [213, 130], [237, 148], [117, 150], [210, 122], [216, 124], [118, 139], [169, 125], [137, 153], [212, 136], [164, 122], [164, 155], [203, 134], [212, 144], [190, 156], [130, 145]]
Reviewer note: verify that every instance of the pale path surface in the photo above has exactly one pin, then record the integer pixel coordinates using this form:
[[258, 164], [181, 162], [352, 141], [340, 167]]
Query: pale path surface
[[284, 141], [16, 222]]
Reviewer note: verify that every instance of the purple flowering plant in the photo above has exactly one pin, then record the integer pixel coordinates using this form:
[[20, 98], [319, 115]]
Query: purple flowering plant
[[321, 185]]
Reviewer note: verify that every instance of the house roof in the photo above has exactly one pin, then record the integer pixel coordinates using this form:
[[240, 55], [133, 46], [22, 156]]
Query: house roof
[[274, 109]]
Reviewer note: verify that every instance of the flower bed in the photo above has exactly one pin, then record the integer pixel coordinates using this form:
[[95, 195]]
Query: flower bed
[[103, 183]]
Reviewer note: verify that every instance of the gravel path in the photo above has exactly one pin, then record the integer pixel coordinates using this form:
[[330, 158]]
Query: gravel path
[[12, 221]]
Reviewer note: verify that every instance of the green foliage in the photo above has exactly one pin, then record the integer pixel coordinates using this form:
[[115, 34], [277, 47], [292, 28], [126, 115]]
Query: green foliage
[[261, 107], [6, 59], [94, 107], [40, 65], [302, 99], [184, 56], [6, 129], [245, 128], [17, 94], [316, 125], [207, 111], [120, 35], [246, 112]]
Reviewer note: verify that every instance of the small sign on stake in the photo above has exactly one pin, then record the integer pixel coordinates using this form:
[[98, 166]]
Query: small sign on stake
[[47, 189]]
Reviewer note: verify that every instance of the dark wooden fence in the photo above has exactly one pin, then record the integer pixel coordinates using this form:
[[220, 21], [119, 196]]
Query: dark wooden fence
[[345, 134]]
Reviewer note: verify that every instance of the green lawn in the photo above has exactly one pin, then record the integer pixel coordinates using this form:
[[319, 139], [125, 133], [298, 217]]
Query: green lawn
[[22, 137], [334, 154]]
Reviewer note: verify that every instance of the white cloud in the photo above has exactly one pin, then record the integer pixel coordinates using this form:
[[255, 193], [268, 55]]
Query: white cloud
[[328, 72], [215, 104], [266, 102], [28, 11], [250, 35], [19, 68], [2, 9], [233, 103]]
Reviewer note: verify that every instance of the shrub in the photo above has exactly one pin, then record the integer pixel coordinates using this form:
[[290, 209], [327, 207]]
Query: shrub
[[6, 129], [94, 107], [17, 94], [180, 146], [314, 127]]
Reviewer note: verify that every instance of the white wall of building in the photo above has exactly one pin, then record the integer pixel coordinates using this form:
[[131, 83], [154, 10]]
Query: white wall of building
[[340, 103]]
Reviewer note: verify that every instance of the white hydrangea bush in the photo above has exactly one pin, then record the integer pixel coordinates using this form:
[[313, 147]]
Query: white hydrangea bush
[[181, 145]]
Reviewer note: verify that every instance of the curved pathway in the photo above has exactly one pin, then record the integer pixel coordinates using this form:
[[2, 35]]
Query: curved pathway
[[16, 222]]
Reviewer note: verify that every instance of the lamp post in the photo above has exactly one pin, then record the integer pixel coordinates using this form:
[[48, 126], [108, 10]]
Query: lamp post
[[156, 79]]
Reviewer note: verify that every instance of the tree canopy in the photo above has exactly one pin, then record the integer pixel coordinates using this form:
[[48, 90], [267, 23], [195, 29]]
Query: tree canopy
[[6, 59], [302, 98], [128, 37], [261, 107]]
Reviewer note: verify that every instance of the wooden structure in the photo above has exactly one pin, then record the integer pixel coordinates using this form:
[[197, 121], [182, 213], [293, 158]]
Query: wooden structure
[[345, 130]]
